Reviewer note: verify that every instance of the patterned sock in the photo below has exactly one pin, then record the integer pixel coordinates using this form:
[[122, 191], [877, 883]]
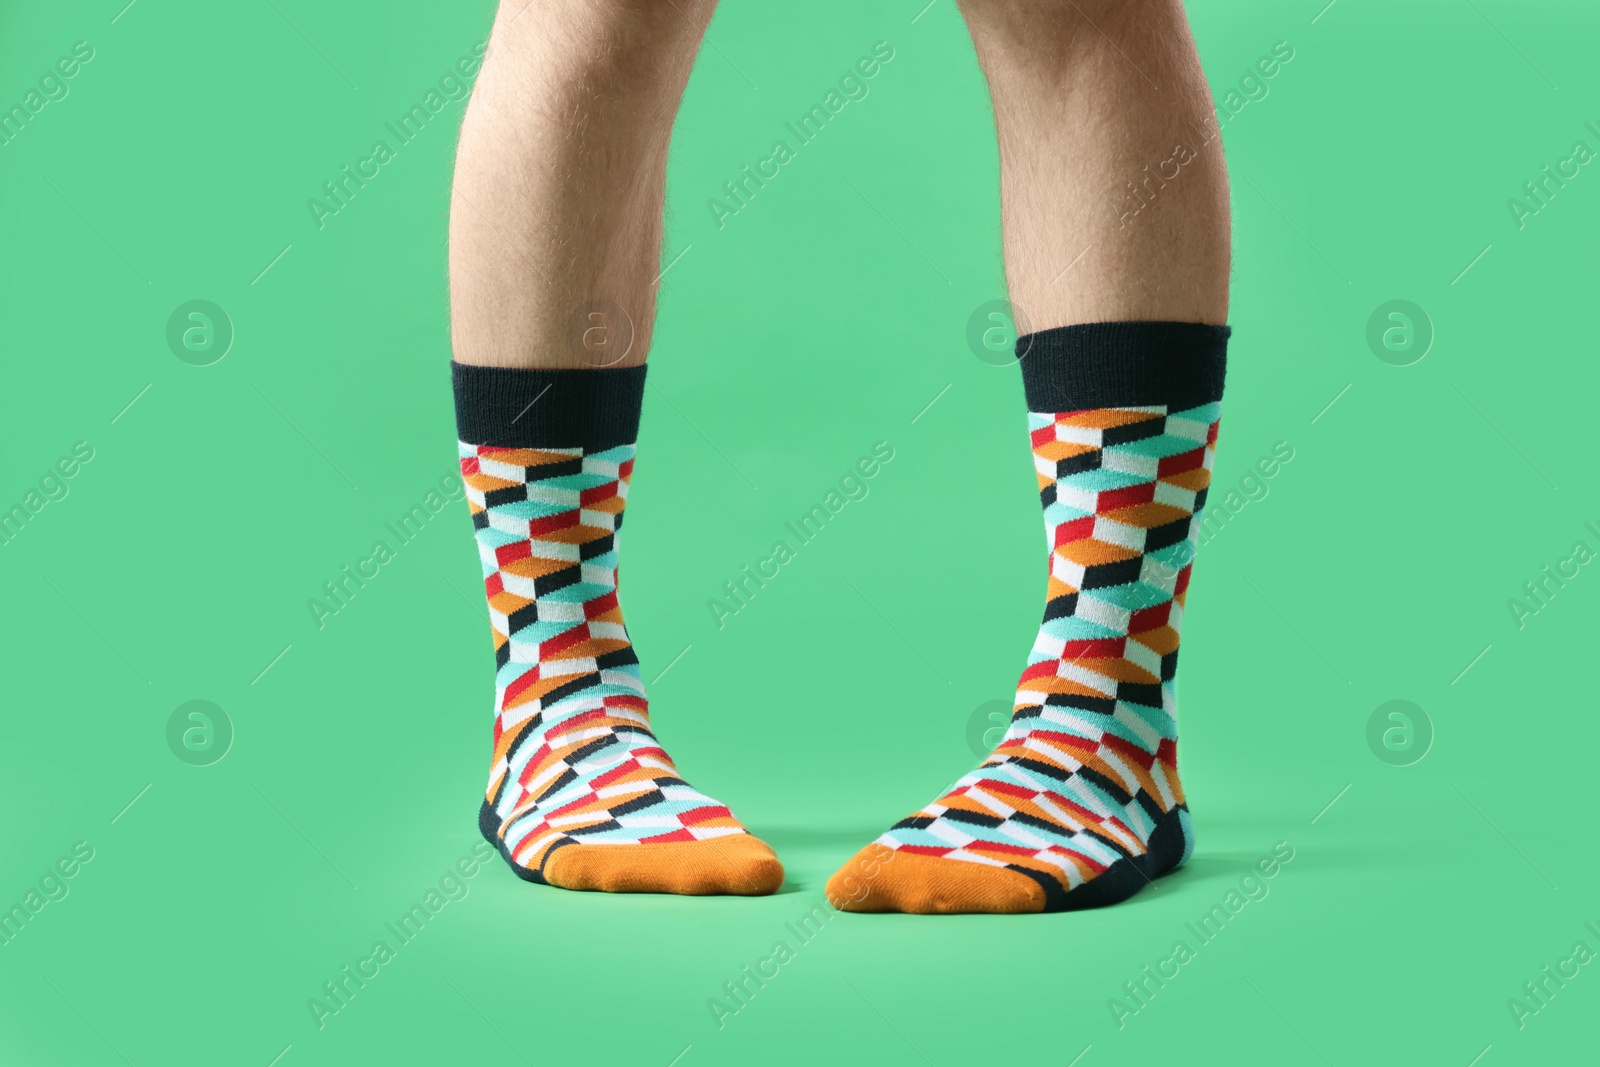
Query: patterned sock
[[1080, 805], [581, 795]]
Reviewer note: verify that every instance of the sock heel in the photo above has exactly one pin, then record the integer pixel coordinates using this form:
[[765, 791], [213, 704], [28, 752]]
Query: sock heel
[[1169, 847], [489, 824], [489, 827], [1172, 843], [1186, 829]]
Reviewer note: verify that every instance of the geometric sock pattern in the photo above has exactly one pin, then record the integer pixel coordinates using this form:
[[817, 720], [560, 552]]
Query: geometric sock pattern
[[575, 761], [1082, 796]]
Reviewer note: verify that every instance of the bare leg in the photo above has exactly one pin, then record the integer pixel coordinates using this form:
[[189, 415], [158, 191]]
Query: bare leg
[[1090, 96], [555, 215]]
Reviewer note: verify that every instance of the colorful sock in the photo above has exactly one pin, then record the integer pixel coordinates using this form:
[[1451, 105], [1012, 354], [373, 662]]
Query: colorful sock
[[581, 795], [1080, 805]]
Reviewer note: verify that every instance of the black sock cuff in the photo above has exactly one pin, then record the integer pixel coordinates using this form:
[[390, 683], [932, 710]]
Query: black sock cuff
[[1123, 364], [509, 407]]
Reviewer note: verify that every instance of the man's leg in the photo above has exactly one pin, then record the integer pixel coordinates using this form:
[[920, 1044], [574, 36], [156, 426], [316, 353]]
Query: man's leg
[[1113, 192], [1115, 220], [556, 208], [554, 239]]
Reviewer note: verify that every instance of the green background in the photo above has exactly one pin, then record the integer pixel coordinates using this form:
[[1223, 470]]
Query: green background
[[823, 318]]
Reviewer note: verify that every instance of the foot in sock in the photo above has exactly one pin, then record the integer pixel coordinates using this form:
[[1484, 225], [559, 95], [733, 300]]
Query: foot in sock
[[581, 795], [1080, 805]]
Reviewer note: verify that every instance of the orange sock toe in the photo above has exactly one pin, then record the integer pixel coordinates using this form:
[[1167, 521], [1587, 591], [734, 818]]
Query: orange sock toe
[[884, 879], [739, 865]]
